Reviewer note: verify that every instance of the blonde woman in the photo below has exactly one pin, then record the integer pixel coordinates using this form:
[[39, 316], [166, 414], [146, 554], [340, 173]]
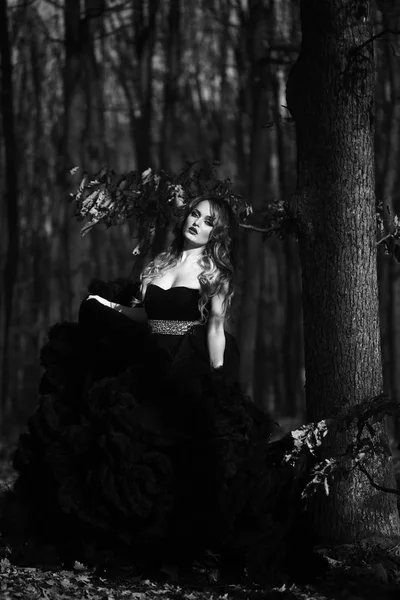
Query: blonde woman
[[191, 285], [142, 445]]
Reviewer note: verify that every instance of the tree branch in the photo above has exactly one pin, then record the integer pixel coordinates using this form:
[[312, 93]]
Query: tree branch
[[376, 36], [385, 237], [381, 488], [258, 229]]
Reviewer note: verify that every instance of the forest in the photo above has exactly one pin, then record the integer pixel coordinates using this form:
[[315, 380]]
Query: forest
[[154, 85], [295, 106]]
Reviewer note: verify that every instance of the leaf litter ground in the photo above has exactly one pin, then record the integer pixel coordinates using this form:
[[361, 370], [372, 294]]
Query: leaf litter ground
[[356, 572]]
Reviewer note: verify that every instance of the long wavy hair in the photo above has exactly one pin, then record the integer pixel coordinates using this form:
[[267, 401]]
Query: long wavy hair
[[216, 261]]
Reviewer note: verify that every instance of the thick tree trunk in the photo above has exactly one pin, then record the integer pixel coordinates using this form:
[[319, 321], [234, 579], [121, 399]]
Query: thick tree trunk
[[9, 274], [331, 97]]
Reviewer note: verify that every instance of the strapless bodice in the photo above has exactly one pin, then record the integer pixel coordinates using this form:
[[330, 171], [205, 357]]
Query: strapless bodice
[[175, 304]]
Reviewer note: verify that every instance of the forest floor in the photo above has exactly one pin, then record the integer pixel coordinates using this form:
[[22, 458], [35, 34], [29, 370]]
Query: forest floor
[[355, 572]]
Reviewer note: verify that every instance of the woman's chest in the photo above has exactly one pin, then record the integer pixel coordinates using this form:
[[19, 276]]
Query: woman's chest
[[179, 276]]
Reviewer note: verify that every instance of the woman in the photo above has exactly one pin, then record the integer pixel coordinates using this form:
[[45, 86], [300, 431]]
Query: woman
[[143, 445], [199, 268]]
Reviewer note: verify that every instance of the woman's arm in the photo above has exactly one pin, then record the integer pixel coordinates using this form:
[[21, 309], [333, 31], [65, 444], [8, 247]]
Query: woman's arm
[[216, 332], [137, 314]]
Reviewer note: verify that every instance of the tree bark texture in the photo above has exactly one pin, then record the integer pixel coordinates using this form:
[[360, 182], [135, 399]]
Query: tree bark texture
[[9, 274], [330, 94]]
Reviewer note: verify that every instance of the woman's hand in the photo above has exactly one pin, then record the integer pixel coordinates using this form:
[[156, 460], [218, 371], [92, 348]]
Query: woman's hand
[[137, 314], [101, 300]]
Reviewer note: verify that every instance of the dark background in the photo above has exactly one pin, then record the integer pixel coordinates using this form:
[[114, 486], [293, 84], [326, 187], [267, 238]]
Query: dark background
[[156, 84]]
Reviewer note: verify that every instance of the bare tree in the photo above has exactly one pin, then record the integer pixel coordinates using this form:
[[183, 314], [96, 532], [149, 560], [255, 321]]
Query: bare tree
[[172, 74], [82, 143], [11, 231]]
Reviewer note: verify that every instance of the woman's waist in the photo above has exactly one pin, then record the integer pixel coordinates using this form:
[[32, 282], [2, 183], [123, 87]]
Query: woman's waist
[[171, 326]]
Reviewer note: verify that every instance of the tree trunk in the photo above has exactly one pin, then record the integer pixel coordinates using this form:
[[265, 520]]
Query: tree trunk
[[163, 235], [9, 274], [83, 138], [330, 94], [144, 42], [260, 141], [171, 84], [293, 405], [388, 134]]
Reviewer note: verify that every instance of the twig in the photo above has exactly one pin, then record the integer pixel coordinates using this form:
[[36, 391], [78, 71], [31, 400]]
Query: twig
[[385, 237], [254, 228], [376, 36], [394, 51], [381, 488]]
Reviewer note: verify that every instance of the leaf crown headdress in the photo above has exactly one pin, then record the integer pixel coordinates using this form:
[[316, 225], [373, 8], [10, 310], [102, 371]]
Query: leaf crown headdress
[[148, 197]]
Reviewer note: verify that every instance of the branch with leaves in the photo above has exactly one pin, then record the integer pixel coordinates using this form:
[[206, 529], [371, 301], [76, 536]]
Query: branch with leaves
[[388, 227], [150, 197], [308, 440], [154, 198]]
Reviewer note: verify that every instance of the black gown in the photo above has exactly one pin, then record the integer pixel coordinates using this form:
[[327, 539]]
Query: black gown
[[136, 447]]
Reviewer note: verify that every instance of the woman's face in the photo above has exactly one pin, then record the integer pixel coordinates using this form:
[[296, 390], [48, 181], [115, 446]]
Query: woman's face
[[199, 224]]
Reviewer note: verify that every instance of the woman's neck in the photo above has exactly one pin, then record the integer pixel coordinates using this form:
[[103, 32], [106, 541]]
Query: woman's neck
[[191, 255]]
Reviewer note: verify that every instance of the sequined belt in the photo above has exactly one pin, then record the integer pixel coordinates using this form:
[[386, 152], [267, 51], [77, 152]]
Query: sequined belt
[[171, 327]]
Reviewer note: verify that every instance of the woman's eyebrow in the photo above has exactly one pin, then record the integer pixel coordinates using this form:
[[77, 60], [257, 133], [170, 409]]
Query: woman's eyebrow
[[207, 216]]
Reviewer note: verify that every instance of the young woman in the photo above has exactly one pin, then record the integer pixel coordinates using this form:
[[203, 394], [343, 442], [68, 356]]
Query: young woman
[[142, 446], [194, 279]]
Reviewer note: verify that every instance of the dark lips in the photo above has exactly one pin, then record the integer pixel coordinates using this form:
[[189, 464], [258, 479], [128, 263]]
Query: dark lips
[[192, 230]]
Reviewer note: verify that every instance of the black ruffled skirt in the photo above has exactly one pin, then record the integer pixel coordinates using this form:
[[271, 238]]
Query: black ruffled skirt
[[136, 447], [138, 452]]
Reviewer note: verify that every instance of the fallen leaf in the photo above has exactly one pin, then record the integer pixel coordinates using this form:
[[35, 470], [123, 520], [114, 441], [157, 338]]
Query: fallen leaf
[[83, 578]]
